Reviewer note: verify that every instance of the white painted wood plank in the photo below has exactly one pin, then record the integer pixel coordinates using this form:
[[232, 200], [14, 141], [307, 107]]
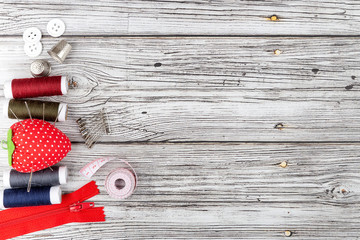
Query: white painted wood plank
[[208, 191], [208, 89], [224, 17]]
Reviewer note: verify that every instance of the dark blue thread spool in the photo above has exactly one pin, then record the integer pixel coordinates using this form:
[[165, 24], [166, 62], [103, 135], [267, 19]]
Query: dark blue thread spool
[[38, 196]]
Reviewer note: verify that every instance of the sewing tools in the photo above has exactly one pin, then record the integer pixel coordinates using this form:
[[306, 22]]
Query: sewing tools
[[19, 197], [55, 27], [47, 177], [49, 111], [60, 51], [93, 127], [120, 183], [40, 68], [35, 144], [36, 87], [33, 46], [19, 221]]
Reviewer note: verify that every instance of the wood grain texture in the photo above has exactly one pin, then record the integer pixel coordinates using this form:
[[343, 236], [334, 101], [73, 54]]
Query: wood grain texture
[[205, 111], [230, 191], [208, 89], [200, 17]]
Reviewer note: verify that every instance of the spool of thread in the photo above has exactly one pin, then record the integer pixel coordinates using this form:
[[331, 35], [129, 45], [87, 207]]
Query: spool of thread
[[36, 87], [38, 196], [120, 183], [46, 177], [38, 109]]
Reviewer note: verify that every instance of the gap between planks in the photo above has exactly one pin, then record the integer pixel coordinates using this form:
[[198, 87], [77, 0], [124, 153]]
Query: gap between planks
[[195, 36], [304, 143]]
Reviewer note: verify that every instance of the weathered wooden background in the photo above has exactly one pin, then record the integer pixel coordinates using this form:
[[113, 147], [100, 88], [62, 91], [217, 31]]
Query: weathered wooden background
[[207, 111]]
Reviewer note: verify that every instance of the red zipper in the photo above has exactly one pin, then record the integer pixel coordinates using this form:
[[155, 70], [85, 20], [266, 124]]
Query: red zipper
[[19, 221], [76, 207]]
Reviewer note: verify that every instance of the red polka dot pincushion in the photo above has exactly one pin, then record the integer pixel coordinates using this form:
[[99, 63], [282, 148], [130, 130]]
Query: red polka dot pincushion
[[35, 144]]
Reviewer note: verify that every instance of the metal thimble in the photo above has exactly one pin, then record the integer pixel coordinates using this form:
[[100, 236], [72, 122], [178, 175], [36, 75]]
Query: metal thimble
[[60, 51], [40, 68]]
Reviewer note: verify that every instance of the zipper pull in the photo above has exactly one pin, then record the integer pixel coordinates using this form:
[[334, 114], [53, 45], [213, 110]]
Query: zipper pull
[[77, 207]]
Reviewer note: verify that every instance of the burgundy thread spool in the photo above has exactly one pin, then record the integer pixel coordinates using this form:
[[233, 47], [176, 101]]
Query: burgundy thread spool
[[36, 87]]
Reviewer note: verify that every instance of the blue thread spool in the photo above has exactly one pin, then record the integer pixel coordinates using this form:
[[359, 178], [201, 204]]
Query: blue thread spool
[[38, 196]]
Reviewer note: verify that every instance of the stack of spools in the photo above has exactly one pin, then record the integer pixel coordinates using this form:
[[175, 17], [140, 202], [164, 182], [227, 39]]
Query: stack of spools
[[45, 187], [34, 145], [35, 87]]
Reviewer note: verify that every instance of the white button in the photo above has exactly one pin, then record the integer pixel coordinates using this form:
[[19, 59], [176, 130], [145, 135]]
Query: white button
[[32, 35], [56, 27], [33, 49]]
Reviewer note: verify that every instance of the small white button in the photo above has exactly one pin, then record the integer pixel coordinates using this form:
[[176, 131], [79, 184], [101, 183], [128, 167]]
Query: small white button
[[32, 35], [33, 49], [56, 27]]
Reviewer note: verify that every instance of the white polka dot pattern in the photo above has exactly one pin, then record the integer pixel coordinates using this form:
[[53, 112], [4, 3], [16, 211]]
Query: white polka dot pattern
[[38, 145]]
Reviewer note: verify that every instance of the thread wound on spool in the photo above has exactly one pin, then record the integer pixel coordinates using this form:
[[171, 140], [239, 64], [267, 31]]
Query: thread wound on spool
[[35, 87], [38, 109], [46, 177], [36, 197]]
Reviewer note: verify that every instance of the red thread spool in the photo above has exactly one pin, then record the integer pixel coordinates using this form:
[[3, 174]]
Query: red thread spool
[[36, 87]]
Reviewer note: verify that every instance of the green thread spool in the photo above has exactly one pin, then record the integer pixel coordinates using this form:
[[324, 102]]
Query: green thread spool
[[49, 111]]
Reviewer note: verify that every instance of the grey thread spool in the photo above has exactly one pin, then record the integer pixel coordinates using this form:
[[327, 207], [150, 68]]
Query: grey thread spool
[[46, 177], [40, 68], [48, 111]]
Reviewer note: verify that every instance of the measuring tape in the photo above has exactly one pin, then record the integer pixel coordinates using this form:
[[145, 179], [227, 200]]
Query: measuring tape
[[120, 183]]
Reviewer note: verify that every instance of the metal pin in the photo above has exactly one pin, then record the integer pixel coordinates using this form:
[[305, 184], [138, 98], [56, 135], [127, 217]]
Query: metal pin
[[49, 166], [104, 118], [29, 183], [58, 115], [16, 117], [84, 133], [43, 112], [94, 135], [91, 141], [72, 83], [28, 109], [81, 123], [93, 127]]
